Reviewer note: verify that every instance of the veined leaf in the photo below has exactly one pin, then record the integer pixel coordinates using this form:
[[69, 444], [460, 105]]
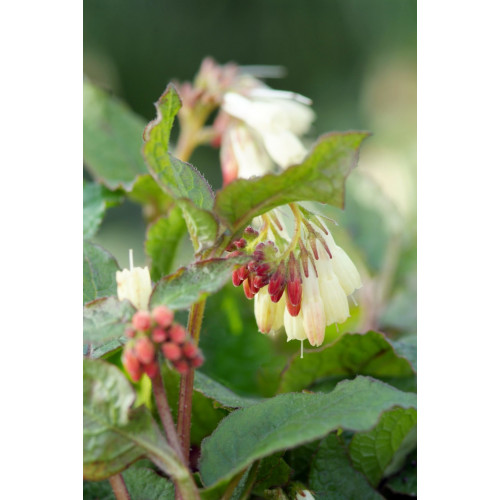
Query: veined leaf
[[190, 284], [112, 139], [292, 419], [321, 177], [180, 180]]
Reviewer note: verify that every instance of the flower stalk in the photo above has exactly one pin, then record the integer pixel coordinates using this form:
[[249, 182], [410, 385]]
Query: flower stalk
[[119, 487]]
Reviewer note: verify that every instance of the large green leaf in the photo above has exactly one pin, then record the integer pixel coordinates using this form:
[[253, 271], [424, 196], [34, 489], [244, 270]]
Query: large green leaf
[[180, 180], [382, 451], [292, 419], [99, 272], [104, 322], [113, 435], [405, 481], [162, 240], [351, 354], [332, 476], [112, 139], [190, 284], [321, 177]]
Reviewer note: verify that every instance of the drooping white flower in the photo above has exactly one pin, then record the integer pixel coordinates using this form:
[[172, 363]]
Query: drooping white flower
[[134, 284], [268, 314], [294, 326], [312, 308]]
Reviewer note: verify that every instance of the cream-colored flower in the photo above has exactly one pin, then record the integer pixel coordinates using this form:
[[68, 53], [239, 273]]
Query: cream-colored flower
[[294, 326], [312, 309], [268, 314], [134, 284]]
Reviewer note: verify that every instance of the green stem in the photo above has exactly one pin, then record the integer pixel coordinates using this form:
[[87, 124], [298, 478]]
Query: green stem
[[252, 476], [186, 387], [232, 485], [119, 487]]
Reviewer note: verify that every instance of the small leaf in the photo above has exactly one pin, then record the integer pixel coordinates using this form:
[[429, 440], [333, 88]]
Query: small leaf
[[382, 451], [99, 272], [405, 481], [292, 419], [104, 322], [114, 436], [162, 240], [190, 284], [112, 139], [180, 180], [273, 471], [351, 354], [333, 477], [321, 177]]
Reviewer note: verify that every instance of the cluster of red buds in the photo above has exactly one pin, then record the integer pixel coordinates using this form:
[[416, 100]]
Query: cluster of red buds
[[153, 332], [263, 270]]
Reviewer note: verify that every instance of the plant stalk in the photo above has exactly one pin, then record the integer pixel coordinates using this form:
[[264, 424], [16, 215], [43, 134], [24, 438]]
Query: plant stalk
[[119, 487], [186, 387]]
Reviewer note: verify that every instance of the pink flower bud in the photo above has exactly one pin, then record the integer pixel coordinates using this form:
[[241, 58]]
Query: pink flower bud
[[243, 273], [151, 370], [132, 364], [182, 367], [236, 278], [171, 351], [159, 335], [197, 362], [130, 332], [163, 316], [241, 243], [141, 321], [177, 333], [277, 280], [190, 350], [262, 269], [144, 350], [260, 281]]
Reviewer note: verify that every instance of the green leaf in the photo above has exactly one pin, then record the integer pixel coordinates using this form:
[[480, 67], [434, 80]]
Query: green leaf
[[382, 451], [99, 272], [94, 207], [406, 347], [321, 177], [114, 436], [190, 284], [292, 419], [112, 139], [351, 354], [147, 192], [405, 481], [333, 477], [162, 240], [180, 180], [273, 471], [218, 392], [104, 322]]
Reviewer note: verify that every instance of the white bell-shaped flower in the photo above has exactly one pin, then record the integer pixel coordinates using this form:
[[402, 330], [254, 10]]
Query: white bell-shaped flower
[[294, 326], [134, 284], [312, 309], [268, 314]]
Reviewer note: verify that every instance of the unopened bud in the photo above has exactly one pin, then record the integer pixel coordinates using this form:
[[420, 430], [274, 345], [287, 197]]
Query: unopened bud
[[248, 289], [197, 361], [130, 332], [236, 278], [163, 316], [241, 243], [141, 321], [177, 333], [151, 370], [182, 367], [132, 364], [171, 351], [159, 335], [144, 350], [190, 350]]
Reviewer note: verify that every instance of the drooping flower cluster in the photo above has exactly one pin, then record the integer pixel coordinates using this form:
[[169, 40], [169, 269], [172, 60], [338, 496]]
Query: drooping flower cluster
[[151, 333], [304, 287]]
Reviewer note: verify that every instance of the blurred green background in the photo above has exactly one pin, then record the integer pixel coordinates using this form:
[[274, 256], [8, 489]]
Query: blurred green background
[[356, 59]]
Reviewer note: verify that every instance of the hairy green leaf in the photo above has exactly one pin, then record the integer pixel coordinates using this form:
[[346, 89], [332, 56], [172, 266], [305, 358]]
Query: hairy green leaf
[[162, 240], [405, 481], [273, 471], [292, 419], [321, 177], [99, 272], [94, 207], [113, 435], [112, 139], [190, 284], [381, 451], [351, 354], [333, 477], [104, 322], [180, 180]]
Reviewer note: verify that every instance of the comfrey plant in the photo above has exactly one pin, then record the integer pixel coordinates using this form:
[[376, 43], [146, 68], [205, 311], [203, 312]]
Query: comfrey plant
[[221, 442]]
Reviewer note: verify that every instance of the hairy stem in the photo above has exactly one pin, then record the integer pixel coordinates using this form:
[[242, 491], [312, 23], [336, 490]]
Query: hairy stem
[[163, 408], [186, 388], [119, 487]]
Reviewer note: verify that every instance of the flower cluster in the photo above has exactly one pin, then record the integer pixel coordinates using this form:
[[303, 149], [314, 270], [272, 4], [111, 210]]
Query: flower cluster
[[304, 287], [151, 333]]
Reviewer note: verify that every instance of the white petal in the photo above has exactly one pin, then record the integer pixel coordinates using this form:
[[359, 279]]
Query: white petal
[[134, 285], [284, 147], [268, 314], [334, 300], [312, 309], [294, 326], [345, 270]]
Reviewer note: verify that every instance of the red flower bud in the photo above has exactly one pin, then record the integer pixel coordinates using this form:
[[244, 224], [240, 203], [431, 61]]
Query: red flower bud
[[163, 316], [171, 351], [151, 370], [144, 350], [130, 332], [237, 253], [198, 361], [177, 333], [182, 367], [141, 321], [243, 273], [294, 292], [262, 269], [159, 335], [241, 243], [248, 290], [190, 350], [277, 280], [277, 296], [132, 364], [293, 310], [260, 281], [252, 265], [236, 278]]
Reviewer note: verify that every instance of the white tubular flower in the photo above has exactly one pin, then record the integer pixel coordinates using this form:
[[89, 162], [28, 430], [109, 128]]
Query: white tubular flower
[[312, 309], [304, 495], [134, 284], [276, 118], [294, 326], [269, 315]]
